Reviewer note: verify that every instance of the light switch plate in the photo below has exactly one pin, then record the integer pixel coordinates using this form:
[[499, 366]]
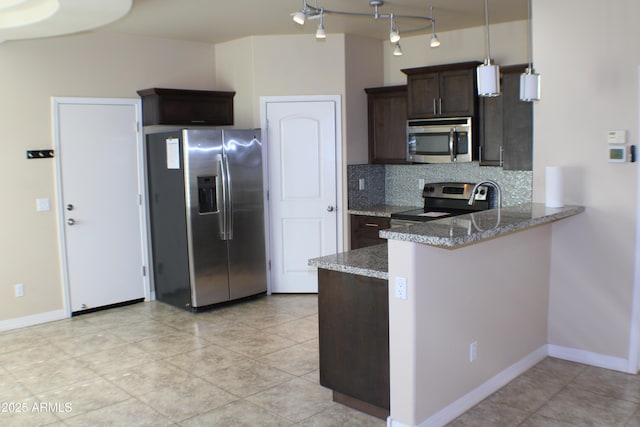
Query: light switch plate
[[43, 205]]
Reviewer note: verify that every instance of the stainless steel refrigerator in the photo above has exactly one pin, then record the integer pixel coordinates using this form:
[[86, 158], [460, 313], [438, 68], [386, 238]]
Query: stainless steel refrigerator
[[206, 203]]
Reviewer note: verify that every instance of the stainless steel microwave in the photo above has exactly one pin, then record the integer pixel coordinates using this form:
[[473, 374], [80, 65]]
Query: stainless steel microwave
[[448, 140]]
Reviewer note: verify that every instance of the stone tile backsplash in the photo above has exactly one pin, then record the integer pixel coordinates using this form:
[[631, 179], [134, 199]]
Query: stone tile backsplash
[[374, 183], [398, 184]]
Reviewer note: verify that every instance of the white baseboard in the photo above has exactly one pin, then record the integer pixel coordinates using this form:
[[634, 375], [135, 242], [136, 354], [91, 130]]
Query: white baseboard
[[590, 358], [475, 396], [35, 319]]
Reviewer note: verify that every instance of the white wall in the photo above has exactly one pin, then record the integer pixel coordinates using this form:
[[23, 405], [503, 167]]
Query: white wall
[[494, 293], [88, 65], [589, 67]]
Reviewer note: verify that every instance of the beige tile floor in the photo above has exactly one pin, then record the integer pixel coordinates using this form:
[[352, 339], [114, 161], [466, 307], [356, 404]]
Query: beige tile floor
[[248, 364]]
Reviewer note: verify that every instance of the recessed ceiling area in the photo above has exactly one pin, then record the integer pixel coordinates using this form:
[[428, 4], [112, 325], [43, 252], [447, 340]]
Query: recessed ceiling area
[[29, 19]]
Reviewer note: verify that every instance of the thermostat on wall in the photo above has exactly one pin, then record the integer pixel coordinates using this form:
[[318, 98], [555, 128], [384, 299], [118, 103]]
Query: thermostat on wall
[[617, 137], [622, 153]]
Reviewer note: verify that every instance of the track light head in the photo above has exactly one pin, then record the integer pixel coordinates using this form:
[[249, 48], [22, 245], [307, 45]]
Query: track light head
[[394, 36], [397, 51], [434, 41], [299, 17]]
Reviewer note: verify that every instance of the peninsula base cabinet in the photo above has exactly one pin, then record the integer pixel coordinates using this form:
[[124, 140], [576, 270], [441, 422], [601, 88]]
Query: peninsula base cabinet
[[353, 313]]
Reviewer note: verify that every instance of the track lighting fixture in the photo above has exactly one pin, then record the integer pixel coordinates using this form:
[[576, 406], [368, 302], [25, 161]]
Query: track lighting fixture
[[314, 11], [488, 73], [530, 80]]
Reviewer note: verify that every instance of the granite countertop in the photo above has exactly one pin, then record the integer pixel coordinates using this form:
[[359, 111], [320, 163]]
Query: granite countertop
[[469, 228], [370, 261], [380, 210]]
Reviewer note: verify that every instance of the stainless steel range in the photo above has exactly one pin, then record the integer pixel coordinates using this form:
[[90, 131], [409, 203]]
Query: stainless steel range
[[444, 199]]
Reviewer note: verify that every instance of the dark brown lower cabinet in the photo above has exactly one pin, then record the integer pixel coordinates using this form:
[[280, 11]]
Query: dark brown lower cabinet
[[365, 230], [353, 314]]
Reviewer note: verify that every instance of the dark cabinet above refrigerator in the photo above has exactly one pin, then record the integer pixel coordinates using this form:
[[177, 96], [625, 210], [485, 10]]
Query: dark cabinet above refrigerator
[[186, 107]]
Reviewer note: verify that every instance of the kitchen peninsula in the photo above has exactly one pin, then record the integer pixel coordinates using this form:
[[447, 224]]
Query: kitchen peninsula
[[467, 306]]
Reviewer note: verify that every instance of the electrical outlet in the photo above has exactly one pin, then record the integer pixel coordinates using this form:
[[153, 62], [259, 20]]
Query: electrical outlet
[[473, 351], [401, 288], [361, 184], [420, 183], [19, 289]]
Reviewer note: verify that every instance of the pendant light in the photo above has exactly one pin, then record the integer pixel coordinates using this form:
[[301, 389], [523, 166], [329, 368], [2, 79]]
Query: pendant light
[[530, 80], [488, 73]]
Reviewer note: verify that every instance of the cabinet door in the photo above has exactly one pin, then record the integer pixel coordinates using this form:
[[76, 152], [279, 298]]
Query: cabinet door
[[387, 108], [518, 126], [365, 230], [491, 131], [353, 317], [457, 93], [423, 94]]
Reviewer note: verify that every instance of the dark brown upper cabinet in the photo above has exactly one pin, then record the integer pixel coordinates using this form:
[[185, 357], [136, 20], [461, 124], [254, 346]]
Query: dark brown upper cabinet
[[186, 107], [506, 125], [387, 120], [442, 91]]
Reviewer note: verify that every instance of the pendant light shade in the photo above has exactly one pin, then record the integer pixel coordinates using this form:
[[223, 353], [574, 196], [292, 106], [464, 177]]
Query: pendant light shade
[[488, 73], [488, 79], [530, 80], [530, 86]]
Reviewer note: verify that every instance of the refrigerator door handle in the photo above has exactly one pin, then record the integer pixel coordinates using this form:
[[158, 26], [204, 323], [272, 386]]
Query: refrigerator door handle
[[229, 200], [222, 217]]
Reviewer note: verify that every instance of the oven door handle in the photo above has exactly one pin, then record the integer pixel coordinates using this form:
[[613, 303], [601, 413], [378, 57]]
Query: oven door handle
[[453, 144]]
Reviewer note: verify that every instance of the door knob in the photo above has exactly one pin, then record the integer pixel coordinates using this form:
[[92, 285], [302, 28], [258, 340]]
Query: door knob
[[70, 207], [71, 221], [330, 208]]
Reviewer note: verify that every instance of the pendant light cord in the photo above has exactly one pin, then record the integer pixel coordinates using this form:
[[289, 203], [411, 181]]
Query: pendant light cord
[[486, 20], [530, 31]]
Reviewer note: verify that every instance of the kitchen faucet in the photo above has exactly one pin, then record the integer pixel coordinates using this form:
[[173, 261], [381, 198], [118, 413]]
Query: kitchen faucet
[[493, 184]]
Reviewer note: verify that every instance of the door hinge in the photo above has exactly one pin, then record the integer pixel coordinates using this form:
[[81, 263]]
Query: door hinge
[[267, 195], [140, 199], [269, 265], [137, 126], [144, 271]]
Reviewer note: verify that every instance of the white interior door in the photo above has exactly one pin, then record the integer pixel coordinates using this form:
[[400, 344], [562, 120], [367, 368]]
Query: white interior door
[[100, 198], [303, 198]]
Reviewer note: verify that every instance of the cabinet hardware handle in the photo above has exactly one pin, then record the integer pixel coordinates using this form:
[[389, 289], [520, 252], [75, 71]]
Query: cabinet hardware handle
[[501, 151], [369, 224], [435, 108], [440, 106]]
